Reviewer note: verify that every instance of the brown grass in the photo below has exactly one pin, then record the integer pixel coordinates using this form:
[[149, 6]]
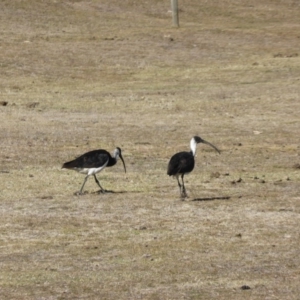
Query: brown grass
[[82, 75]]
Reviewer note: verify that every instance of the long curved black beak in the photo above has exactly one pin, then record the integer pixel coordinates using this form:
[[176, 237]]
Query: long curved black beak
[[209, 144], [123, 161]]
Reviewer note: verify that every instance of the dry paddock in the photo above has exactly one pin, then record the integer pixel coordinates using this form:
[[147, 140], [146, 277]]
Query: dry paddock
[[83, 75]]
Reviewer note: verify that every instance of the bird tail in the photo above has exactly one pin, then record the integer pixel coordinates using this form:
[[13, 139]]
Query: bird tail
[[69, 165]]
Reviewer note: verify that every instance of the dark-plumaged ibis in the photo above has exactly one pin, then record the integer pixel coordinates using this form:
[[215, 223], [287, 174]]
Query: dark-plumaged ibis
[[183, 162], [93, 162]]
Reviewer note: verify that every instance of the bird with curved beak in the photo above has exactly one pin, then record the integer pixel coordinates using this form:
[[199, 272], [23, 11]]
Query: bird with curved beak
[[93, 162], [183, 162]]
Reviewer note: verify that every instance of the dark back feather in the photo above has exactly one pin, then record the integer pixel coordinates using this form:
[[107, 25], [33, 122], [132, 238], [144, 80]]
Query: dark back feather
[[180, 163], [92, 159]]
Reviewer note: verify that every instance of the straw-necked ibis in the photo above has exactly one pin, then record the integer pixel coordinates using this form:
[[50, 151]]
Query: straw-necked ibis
[[93, 162], [183, 162]]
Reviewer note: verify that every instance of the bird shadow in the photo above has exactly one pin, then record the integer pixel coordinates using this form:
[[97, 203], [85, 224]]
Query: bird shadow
[[212, 198], [114, 192]]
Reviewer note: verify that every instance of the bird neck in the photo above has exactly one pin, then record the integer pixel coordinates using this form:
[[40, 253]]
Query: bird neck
[[112, 161], [193, 146], [115, 155]]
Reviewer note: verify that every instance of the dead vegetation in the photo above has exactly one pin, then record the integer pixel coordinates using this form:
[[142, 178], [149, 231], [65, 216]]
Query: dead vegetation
[[82, 75]]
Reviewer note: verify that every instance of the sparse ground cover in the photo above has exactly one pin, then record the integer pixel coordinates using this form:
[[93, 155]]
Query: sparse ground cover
[[82, 75]]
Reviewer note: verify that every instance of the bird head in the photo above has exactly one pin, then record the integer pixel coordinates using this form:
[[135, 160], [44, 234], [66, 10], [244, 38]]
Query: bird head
[[196, 140], [117, 154]]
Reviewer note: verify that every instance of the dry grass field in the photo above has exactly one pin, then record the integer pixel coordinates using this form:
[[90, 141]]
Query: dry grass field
[[83, 75]]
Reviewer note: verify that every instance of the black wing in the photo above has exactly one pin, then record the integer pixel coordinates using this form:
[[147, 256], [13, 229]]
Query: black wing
[[182, 162], [92, 159]]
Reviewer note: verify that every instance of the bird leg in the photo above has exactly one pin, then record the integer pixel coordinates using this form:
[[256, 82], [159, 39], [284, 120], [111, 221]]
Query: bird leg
[[179, 184], [97, 181], [183, 193], [80, 192], [181, 187]]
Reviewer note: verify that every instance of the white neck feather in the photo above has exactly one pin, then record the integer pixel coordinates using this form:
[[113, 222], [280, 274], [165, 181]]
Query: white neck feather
[[193, 146], [116, 154]]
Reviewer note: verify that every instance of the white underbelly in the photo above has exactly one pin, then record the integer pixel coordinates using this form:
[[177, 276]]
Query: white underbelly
[[91, 171]]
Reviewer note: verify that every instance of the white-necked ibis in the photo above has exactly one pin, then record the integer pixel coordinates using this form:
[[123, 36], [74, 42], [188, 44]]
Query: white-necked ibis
[[183, 162], [93, 162]]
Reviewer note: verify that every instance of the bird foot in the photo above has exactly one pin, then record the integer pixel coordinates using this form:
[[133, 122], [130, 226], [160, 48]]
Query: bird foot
[[184, 195], [80, 193], [102, 191]]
